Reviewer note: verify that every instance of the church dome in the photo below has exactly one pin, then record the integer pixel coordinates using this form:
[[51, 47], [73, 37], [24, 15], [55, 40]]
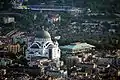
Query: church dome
[[42, 34]]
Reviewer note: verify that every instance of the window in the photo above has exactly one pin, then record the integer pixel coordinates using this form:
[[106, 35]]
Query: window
[[42, 43], [34, 46], [38, 43], [51, 46], [31, 52], [28, 57], [46, 53], [40, 53], [47, 44]]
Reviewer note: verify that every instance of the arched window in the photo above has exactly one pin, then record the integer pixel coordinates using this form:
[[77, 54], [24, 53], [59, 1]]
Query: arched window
[[50, 46], [34, 46], [47, 44], [38, 43]]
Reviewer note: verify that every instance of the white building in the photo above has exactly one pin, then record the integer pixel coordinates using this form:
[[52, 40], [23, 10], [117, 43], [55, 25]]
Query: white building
[[43, 46]]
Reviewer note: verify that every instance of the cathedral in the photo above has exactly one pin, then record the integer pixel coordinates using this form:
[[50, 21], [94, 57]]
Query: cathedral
[[43, 46]]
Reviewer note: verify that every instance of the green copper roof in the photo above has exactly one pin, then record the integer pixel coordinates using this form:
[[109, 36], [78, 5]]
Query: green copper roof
[[42, 34], [77, 46]]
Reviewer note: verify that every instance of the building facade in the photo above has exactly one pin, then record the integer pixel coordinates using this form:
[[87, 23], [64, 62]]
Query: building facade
[[43, 46]]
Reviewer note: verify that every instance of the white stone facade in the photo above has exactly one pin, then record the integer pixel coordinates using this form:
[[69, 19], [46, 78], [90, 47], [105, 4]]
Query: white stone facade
[[43, 47]]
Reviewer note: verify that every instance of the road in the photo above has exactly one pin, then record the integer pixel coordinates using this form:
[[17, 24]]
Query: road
[[47, 8]]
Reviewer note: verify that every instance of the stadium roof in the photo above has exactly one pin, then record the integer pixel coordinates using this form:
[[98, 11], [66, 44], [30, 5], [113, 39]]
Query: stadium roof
[[77, 46]]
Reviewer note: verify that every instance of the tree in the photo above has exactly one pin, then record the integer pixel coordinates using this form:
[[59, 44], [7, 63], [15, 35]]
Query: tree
[[5, 5]]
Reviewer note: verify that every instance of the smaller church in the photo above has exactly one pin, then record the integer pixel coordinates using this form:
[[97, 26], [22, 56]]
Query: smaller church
[[43, 47]]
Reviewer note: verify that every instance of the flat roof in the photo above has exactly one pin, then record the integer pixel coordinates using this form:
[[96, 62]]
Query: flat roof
[[39, 58]]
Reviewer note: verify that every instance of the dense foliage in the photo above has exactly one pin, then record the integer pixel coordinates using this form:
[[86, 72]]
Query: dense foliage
[[26, 21]]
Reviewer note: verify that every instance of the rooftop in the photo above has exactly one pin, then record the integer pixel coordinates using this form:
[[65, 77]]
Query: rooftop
[[42, 34], [76, 46]]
